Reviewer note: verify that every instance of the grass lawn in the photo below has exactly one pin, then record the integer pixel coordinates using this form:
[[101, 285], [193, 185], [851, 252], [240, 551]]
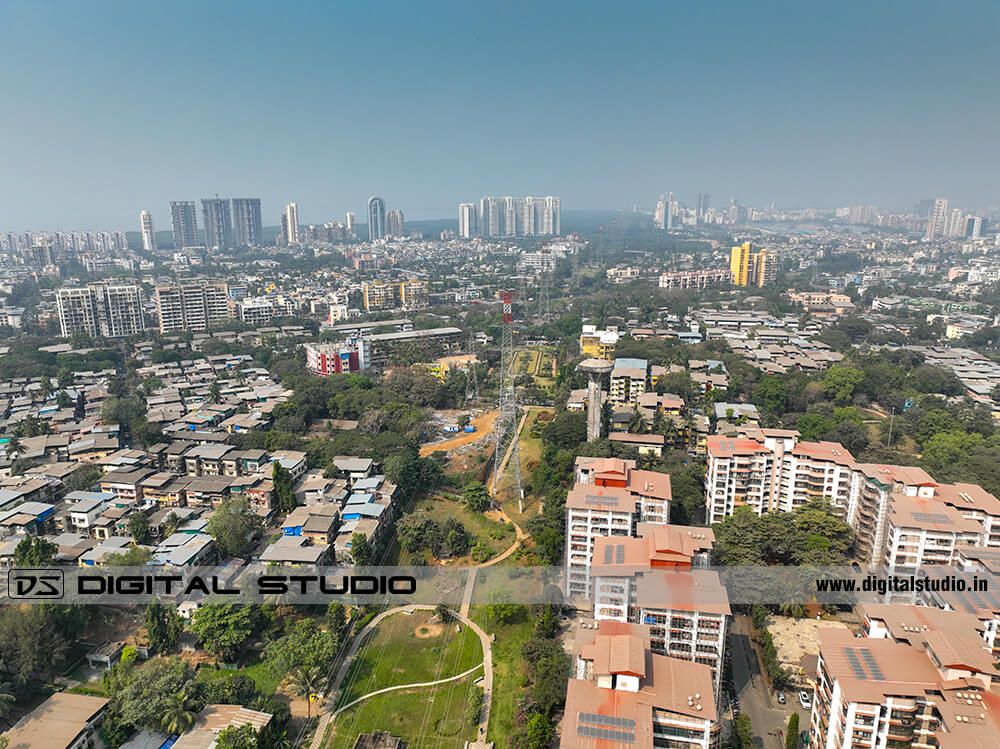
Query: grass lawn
[[508, 666], [264, 677], [427, 718], [493, 535], [406, 649]]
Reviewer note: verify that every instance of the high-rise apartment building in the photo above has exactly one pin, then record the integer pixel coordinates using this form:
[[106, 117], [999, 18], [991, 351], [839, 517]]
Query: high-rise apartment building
[[247, 222], [376, 218], [611, 497], [192, 305], [394, 224], [184, 222], [350, 224], [148, 234], [112, 310], [408, 295], [218, 222], [290, 225], [900, 515], [468, 220], [934, 687], [751, 268], [937, 224], [621, 693]]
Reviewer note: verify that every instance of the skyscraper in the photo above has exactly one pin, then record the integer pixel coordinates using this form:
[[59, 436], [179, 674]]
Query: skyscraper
[[290, 224], [247, 223], [552, 216], [937, 225], [376, 218], [350, 224], [468, 223], [218, 222], [394, 224], [148, 234], [490, 217], [184, 221]]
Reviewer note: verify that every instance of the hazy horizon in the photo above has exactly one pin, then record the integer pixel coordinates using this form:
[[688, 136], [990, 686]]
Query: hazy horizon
[[116, 107]]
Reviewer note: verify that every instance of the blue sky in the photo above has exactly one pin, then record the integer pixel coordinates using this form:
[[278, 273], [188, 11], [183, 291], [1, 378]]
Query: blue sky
[[112, 107]]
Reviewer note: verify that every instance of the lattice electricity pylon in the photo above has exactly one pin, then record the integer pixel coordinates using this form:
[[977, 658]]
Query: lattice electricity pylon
[[507, 451], [543, 296], [472, 378]]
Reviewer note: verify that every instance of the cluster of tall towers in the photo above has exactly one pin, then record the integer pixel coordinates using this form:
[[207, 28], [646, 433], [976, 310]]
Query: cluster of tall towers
[[510, 217], [234, 222], [382, 224]]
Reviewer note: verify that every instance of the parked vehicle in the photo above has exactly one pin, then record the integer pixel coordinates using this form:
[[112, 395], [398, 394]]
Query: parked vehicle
[[805, 700], [781, 698]]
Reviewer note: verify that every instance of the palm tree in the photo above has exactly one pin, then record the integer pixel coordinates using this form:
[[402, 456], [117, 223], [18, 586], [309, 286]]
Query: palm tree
[[793, 608], [179, 714], [306, 681], [7, 700], [14, 447]]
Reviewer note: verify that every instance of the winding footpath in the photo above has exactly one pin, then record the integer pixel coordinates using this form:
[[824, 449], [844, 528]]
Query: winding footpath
[[330, 712]]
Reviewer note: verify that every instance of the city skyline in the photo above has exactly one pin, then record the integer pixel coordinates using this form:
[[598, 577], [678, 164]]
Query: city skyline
[[809, 120]]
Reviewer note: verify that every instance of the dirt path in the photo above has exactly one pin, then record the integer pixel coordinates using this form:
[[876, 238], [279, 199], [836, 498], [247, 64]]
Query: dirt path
[[483, 424], [521, 535]]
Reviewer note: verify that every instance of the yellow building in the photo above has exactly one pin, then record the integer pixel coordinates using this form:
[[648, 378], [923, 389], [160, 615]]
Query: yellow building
[[598, 344], [751, 268], [740, 264]]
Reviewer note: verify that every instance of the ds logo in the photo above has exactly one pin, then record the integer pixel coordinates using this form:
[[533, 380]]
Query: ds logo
[[35, 584]]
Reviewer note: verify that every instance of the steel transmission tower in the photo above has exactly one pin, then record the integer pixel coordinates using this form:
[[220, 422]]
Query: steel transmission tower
[[472, 378], [543, 296], [507, 451]]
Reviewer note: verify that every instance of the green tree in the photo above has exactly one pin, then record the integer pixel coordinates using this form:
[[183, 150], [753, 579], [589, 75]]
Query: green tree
[[134, 556], [538, 732], [502, 609], [138, 527], [336, 622], [792, 735], [284, 490], [234, 526], [179, 713], [744, 731], [163, 627], [222, 628], [361, 550], [771, 394], [7, 700], [34, 551], [139, 694], [307, 682], [477, 497], [840, 382], [215, 392], [238, 737]]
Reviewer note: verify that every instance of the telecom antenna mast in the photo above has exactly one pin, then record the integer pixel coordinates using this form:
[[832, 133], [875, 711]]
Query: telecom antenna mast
[[507, 451]]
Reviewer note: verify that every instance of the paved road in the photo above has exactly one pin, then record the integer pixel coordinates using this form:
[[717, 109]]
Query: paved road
[[750, 685]]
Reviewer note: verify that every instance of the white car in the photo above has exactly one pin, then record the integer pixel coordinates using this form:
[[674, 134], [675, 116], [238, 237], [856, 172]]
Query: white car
[[805, 700]]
